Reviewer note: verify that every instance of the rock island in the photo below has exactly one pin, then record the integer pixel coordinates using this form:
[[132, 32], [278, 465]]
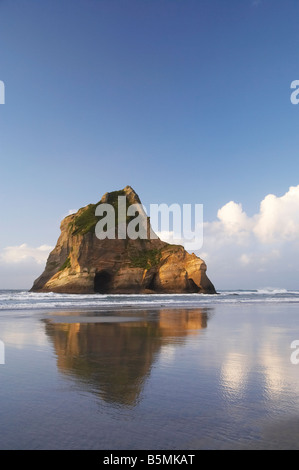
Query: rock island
[[81, 263]]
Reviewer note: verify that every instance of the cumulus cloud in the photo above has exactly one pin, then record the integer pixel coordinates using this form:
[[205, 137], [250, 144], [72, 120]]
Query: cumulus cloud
[[250, 251], [232, 224], [278, 219], [276, 222], [258, 249], [258, 258], [170, 237], [233, 218], [241, 251], [21, 253], [21, 264]]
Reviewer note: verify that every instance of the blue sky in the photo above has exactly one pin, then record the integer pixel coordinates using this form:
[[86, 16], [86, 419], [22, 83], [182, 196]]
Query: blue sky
[[187, 101]]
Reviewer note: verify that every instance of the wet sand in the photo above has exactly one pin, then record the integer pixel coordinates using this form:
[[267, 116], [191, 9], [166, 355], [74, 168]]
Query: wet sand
[[217, 377]]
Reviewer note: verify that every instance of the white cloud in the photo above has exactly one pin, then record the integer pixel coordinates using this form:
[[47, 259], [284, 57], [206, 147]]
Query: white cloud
[[278, 219], [169, 237], [252, 251], [21, 253], [234, 219], [245, 259], [255, 251], [258, 258], [20, 265], [276, 222], [241, 251]]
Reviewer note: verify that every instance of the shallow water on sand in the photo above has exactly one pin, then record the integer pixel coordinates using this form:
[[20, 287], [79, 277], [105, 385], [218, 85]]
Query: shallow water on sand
[[215, 376]]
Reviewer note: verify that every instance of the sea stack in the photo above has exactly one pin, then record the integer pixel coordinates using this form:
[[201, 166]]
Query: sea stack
[[81, 263]]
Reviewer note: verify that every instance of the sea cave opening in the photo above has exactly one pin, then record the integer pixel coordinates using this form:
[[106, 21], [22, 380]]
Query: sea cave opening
[[152, 283], [192, 287], [102, 282]]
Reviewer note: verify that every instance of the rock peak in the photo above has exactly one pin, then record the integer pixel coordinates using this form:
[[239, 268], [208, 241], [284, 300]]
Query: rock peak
[[83, 263], [128, 191]]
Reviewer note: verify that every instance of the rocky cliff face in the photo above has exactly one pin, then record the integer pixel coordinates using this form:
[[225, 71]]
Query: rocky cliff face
[[82, 263]]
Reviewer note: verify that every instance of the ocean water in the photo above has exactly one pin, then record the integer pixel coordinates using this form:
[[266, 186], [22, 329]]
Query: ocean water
[[24, 300], [172, 372]]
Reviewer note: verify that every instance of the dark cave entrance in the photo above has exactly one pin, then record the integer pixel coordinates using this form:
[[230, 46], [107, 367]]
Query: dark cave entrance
[[152, 284], [192, 287], [102, 282]]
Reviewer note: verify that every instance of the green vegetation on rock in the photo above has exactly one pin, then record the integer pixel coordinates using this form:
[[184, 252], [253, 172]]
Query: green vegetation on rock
[[146, 259], [113, 200], [85, 222], [66, 264]]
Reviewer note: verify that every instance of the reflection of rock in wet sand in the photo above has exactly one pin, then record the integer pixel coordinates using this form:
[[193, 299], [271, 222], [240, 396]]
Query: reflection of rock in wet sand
[[115, 358]]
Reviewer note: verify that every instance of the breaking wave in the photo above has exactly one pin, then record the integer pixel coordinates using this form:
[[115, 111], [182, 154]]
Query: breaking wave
[[24, 300]]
